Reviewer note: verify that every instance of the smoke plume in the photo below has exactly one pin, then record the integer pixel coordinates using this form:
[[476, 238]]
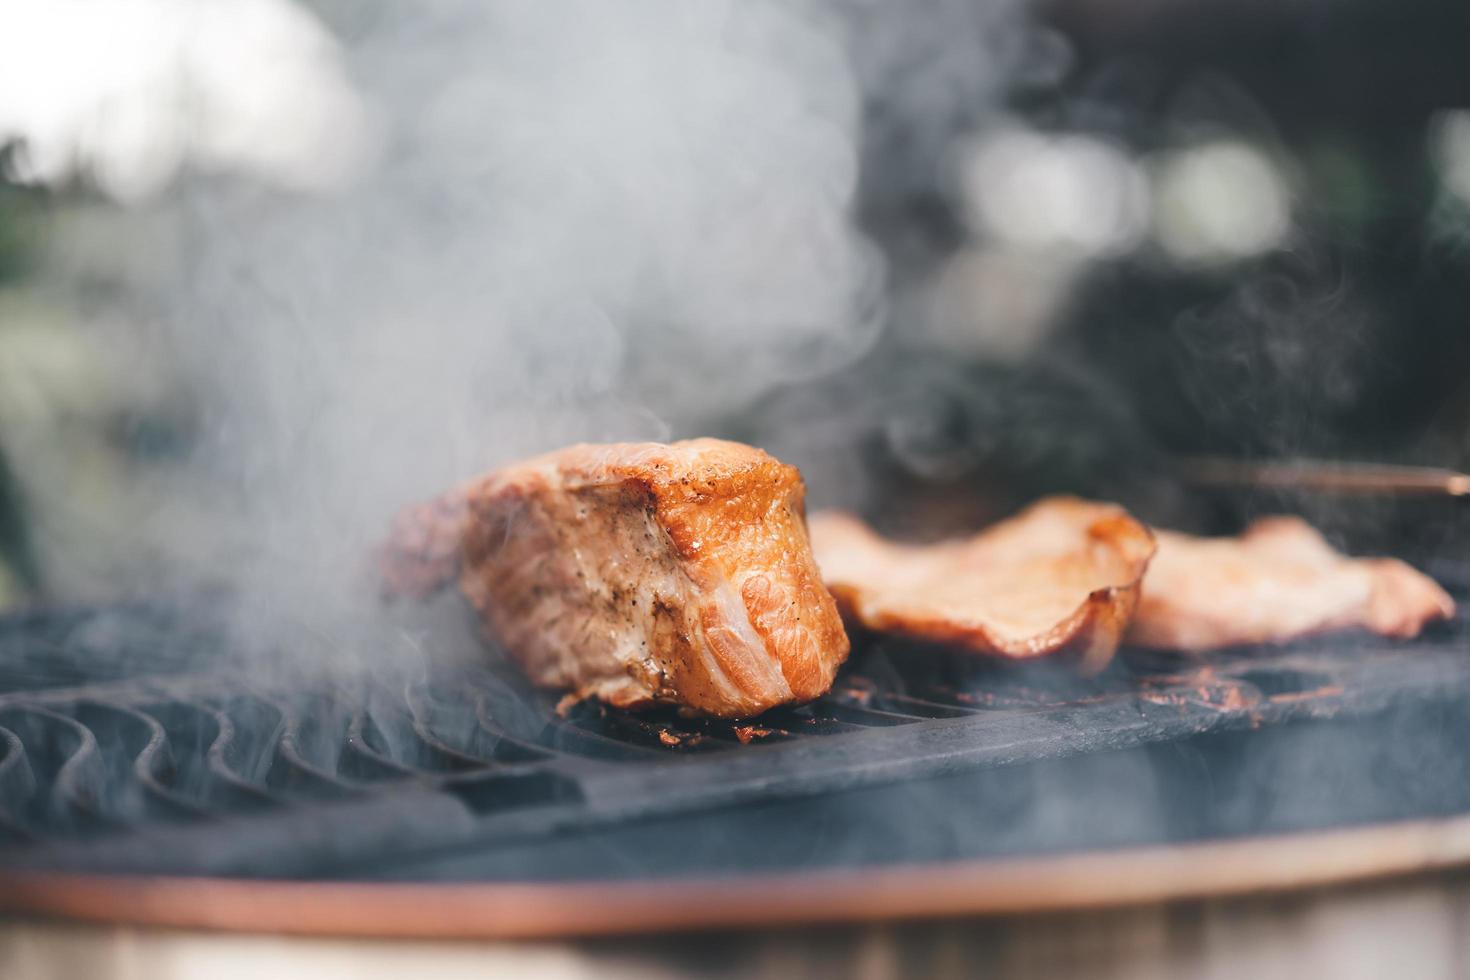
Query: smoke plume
[[573, 222]]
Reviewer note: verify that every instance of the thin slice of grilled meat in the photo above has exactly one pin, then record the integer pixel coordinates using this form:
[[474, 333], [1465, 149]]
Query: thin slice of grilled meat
[[638, 574], [1061, 576], [1278, 581]]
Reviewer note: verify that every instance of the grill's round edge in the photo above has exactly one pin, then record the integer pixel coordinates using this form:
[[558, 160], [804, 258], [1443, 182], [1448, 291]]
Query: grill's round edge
[[1066, 882]]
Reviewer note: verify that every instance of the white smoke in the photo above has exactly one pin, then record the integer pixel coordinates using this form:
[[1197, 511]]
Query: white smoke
[[582, 221]]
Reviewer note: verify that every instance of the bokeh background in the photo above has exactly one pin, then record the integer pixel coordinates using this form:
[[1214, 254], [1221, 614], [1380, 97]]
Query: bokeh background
[[271, 268]]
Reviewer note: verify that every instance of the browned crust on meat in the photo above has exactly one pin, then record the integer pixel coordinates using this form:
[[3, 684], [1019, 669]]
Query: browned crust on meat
[[1108, 545], [734, 618]]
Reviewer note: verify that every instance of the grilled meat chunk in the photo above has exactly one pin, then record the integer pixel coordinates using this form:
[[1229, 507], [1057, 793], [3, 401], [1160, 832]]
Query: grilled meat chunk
[[1060, 576], [1278, 581], [639, 574]]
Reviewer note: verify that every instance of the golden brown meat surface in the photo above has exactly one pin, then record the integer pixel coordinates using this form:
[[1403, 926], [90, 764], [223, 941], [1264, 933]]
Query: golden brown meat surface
[[1061, 575], [638, 573], [1278, 581]]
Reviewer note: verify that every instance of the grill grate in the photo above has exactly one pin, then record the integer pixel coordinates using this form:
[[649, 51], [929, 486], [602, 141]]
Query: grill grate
[[212, 771]]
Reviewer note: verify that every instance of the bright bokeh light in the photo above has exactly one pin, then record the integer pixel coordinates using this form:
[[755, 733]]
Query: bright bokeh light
[[1219, 202], [127, 92], [1069, 193]]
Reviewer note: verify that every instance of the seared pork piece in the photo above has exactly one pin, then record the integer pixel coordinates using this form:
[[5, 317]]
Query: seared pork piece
[[638, 574], [1278, 581], [1060, 576]]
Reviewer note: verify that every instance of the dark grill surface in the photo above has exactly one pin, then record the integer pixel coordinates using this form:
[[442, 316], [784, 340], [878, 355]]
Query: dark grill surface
[[130, 740]]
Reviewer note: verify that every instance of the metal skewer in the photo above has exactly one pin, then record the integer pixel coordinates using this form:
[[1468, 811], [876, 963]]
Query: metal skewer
[[1325, 475]]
